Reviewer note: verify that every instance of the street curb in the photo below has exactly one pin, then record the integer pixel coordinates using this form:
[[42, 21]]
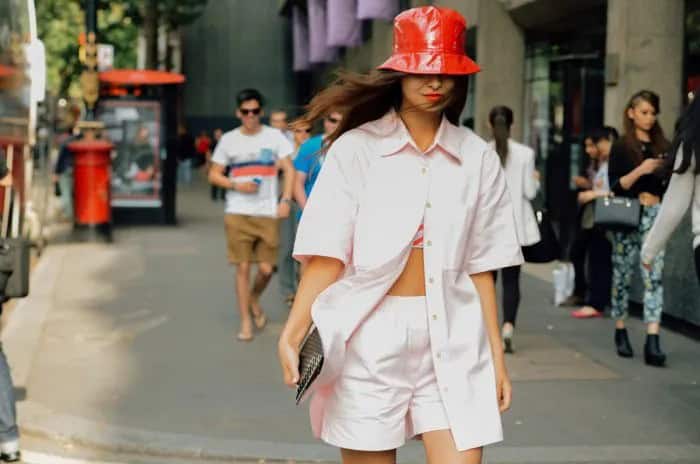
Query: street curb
[[39, 421]]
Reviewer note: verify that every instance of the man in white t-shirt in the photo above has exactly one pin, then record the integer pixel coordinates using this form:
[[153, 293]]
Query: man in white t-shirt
[[253, 153]]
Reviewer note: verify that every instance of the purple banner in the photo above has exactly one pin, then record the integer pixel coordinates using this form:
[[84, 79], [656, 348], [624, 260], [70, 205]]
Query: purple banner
[[344, 29], [319, 51], [377, 9], [300, 38]]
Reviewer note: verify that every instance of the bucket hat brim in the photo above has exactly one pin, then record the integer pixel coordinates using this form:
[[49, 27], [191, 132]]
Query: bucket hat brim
[[431, 63]]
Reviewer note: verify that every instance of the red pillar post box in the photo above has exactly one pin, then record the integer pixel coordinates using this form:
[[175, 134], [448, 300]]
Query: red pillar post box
[[91, 189]]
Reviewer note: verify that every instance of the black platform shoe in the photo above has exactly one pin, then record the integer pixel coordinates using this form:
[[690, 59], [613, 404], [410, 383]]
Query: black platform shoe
[[622, 342], [653, 355]]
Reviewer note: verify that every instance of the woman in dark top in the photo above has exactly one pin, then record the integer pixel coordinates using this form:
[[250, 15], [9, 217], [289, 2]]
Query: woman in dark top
[[635, 171]]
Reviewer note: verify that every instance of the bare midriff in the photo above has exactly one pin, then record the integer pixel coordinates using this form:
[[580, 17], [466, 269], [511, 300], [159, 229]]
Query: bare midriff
[[411, 282]]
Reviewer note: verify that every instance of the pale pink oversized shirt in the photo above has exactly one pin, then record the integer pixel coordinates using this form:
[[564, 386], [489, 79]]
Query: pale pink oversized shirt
[[373, 192]]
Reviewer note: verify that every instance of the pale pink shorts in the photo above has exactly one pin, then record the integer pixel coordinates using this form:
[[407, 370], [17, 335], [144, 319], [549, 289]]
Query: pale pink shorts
[[387, 391]]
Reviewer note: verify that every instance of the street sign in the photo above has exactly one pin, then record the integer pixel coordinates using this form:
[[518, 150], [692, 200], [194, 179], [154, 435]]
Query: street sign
[[105, 57]]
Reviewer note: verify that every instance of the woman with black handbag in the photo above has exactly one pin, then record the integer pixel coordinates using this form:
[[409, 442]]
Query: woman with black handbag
[[522, 178], [683, 189], [635, 172]]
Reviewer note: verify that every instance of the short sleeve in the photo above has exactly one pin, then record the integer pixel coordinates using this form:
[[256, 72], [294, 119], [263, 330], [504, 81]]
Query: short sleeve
[[220, 156], [302, 162], [494, 242], [328, 221], [284, 146]]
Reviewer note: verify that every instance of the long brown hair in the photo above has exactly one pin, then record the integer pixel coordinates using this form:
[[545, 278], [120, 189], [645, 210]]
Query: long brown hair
[[658, 140], [366, 97], [501, 118]]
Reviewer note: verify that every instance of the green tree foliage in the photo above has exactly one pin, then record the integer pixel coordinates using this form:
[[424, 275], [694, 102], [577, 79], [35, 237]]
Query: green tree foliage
[[61, 21]]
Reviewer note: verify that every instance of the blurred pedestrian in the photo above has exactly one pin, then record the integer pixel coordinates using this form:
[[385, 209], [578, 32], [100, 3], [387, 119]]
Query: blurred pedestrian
[[185, 153], [683, 189], [597, 250], [63, 172], [310, 159], [518, 162], [203, 146], [287, 265], [635, 171], [9, 432], [254, 152], [581, 241], [278, 120], [217, 193], [407, 220]]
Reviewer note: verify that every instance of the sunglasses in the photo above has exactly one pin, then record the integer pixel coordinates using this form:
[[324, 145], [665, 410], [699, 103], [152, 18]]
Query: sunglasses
[[308, 131], [245, 112], [332, 120]]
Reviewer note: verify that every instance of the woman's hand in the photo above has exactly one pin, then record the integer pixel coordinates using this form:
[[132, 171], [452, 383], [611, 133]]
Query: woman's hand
[[504, 389], [288, 353], [581, 182], [650, 165]]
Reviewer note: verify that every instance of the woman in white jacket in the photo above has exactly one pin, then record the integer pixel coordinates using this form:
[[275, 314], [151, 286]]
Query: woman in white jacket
[[518, 162], [683, 189]]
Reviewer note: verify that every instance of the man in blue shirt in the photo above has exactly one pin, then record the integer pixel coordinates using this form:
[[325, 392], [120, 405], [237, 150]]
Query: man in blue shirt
[[310, 159]]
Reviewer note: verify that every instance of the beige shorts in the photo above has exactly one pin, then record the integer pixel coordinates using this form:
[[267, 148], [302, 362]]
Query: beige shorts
[[251, 239]]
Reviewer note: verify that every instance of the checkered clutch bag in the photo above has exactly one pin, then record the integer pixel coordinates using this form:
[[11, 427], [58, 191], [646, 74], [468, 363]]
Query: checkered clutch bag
[[310, 362]]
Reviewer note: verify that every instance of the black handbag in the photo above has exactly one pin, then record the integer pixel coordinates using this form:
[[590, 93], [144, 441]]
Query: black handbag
[[548, 248], [310, 362], [14, 251], [617, 213]]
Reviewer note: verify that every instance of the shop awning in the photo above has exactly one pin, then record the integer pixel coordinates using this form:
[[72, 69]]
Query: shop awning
[[140, 77]]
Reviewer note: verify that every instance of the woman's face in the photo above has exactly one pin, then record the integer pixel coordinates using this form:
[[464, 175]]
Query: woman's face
[[302, 134], [429, 92], [643, 115], [591, 149]]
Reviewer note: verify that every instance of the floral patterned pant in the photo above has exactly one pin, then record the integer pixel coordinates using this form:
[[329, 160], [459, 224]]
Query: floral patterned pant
[[625, 255]]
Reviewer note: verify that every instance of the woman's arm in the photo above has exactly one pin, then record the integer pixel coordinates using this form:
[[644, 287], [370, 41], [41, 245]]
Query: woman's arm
[[486, 288], [676, 202], [319, 274], [588, 196]]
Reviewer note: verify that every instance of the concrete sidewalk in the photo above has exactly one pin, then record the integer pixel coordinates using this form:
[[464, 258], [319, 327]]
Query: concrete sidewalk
[[131, 347]]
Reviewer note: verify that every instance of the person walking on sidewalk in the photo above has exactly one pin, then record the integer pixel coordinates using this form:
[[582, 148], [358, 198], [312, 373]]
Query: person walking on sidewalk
[[9, 432], [518, 162], [408, 218], [597, 250], [278, 120], [310, 159], [635, 171], [582, 239], [254, 153], [216, 193], [287, 266], [683, 189]]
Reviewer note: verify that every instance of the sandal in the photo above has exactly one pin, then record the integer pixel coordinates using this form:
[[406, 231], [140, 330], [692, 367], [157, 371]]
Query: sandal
[[243, 337]]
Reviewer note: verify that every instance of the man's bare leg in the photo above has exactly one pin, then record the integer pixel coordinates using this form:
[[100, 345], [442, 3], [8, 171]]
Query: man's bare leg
[[262, 278], [243, 294]]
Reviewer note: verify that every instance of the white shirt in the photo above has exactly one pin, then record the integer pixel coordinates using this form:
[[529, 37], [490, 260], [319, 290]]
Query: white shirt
[[372, 194], [523, 187], [253, 158]]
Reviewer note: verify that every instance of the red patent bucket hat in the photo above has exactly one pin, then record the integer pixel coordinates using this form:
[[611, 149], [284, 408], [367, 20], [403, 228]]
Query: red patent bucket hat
[[430, 40]]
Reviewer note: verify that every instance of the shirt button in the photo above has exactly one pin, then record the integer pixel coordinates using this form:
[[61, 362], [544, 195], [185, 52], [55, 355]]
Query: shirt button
[[439, 355], [428, 205], [435, 317], [429, 243], [424, 170], [431, 280]]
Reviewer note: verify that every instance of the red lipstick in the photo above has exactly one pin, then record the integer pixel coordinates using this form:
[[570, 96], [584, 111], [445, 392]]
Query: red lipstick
[[434, 96]]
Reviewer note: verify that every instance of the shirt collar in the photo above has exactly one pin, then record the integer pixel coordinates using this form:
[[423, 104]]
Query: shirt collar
[[394, 136]]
